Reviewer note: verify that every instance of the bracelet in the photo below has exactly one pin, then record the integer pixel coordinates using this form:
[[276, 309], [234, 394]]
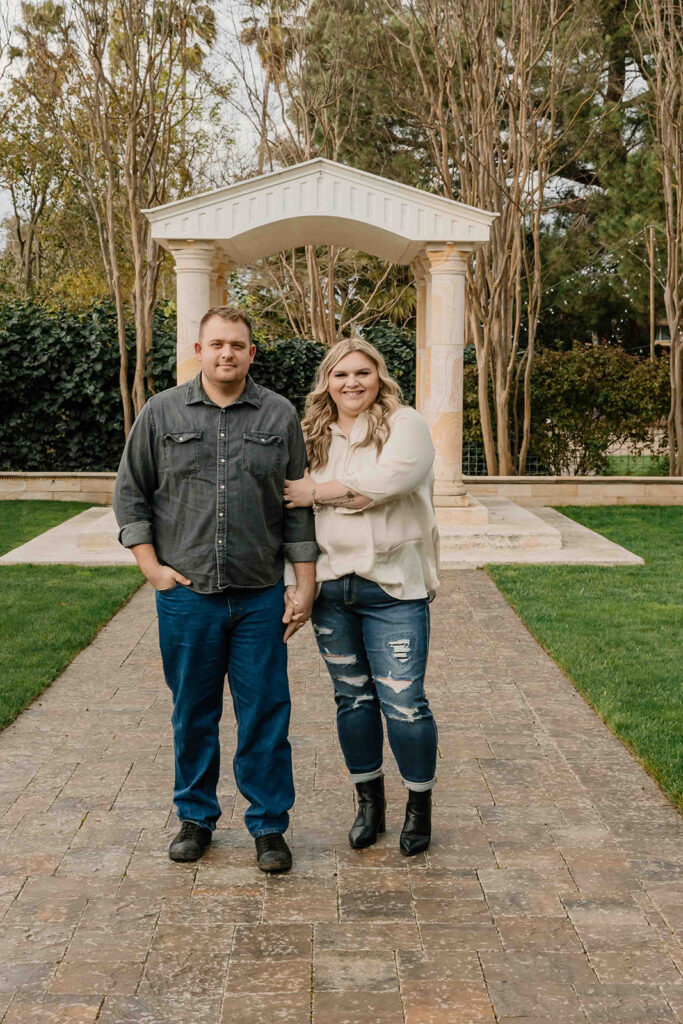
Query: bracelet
[[316, 507]]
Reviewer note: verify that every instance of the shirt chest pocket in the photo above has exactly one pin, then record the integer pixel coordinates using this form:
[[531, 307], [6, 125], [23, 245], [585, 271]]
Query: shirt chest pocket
[[182, 451], [262, 454]]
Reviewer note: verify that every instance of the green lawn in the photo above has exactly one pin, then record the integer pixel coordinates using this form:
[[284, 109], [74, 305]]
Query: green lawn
[[618, 632], [48, 613]]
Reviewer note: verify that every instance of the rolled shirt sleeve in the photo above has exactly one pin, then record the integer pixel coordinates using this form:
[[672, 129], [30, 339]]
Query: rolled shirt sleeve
[[298, 528], [402, 465], [135, 483]]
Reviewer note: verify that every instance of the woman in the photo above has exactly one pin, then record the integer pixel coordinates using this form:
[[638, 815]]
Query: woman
[[370, 485]]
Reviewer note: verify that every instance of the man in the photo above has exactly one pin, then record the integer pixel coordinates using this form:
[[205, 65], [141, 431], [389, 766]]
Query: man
[[198, 500]]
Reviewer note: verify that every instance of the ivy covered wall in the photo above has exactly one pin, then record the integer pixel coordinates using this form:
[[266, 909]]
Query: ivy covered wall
[[60, 408]]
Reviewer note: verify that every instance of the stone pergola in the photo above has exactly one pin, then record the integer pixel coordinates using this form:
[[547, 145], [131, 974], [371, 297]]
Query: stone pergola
[[325, 203]]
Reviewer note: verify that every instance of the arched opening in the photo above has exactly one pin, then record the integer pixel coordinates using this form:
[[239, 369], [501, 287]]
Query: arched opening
[[324, 203]]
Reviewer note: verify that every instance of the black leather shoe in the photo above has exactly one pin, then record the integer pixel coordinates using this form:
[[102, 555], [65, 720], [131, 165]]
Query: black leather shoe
[[417, 828], [190, 842], [272, 853], [370, 818]]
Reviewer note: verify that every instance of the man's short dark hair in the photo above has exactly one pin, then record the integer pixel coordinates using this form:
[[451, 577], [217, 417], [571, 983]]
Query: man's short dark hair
[[230, 313]]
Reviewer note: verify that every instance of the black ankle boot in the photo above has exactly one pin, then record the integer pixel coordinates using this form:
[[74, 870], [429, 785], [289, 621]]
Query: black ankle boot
[[417, 828], [370, 818]]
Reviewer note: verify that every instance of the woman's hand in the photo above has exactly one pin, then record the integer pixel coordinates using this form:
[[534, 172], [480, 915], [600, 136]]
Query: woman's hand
[[299, 493]]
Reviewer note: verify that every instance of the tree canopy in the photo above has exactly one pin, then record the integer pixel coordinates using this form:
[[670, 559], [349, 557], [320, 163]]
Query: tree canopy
[[563, 116]]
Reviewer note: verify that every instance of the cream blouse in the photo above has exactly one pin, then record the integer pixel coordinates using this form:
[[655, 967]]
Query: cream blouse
[[394, 541]]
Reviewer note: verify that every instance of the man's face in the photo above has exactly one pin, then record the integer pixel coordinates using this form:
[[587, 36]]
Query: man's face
[[224, 351]]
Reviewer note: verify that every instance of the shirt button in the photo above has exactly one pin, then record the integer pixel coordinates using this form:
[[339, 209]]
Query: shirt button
[[222, 435], [222, 487], [181, 438], [220, 541], [222, 460], [220, 515]]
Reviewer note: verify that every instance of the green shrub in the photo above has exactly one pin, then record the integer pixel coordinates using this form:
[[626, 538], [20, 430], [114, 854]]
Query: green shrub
[[59, 375], [61, 407], [590, 398], [288, 367], [584, 401]]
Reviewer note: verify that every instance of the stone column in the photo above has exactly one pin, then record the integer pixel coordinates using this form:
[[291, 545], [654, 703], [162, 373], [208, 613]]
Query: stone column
[[195, 268], [421, 278], [219, 283], [442, 366]]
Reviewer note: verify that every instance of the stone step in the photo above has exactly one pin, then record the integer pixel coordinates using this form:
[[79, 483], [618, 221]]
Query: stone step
[[509, 526], [491, 539]]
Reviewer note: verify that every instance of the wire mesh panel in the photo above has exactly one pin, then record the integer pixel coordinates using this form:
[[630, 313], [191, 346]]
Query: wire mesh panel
[[474, 462]]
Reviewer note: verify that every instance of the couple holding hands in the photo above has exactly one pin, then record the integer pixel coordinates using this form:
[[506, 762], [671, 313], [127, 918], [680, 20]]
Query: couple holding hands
[[236, 512]]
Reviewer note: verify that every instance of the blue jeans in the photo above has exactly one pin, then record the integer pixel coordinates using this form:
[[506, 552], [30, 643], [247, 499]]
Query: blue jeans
[[376, 648], [203, 636]]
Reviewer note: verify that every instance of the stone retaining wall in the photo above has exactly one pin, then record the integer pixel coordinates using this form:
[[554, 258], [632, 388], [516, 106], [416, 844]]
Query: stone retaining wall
[[579, 490], [97, 488]]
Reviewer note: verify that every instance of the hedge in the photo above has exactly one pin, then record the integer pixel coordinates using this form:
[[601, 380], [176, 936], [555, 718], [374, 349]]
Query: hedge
[[584, 402], [59, 380], [61, 408]]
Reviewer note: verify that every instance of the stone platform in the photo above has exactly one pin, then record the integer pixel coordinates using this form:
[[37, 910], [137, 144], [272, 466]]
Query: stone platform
[[512, 534], [552, 892], [539, 536], [90, 538], [497, 523]]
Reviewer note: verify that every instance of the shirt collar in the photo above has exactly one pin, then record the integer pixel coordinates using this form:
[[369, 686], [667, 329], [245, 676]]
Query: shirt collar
[[196, 393], [358, 431]]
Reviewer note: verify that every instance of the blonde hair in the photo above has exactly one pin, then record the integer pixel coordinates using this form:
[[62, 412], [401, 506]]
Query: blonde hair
[[320, 411]]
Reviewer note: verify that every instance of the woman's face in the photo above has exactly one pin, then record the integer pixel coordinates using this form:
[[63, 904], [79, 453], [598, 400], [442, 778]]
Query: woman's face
[[353, 384]]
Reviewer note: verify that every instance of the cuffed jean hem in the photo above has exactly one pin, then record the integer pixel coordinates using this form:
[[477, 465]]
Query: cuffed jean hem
[[420, 787], [199, 824], [268, 832], [365, 776]]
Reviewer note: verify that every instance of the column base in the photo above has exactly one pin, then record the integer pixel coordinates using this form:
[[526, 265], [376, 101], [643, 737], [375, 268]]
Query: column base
[[472, 513], [450, 494]]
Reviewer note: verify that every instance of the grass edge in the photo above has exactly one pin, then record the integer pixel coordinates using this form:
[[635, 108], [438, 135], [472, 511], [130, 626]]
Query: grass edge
[[676, 802]]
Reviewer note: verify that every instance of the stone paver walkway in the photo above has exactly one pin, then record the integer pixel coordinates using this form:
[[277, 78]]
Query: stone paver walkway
[[553, 889]]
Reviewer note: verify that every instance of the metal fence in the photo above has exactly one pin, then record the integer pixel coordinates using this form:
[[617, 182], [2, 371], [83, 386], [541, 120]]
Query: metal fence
[[474, 464]]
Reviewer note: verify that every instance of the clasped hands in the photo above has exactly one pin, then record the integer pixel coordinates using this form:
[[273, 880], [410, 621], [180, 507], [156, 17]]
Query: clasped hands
[[299, 598], [298, 607]]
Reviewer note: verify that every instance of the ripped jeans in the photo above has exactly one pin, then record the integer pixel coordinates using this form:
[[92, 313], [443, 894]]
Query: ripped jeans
[[375, 648]]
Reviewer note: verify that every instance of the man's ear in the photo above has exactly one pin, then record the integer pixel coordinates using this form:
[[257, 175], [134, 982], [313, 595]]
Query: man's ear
[[197, 348], [252, 353]]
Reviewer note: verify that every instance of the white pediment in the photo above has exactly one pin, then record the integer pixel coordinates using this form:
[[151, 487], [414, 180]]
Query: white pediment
[[320, 202]]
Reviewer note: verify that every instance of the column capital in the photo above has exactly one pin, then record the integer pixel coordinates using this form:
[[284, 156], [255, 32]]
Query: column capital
[[193, 256], [219, 280], [444, 258], [420, 268], [224, 266]]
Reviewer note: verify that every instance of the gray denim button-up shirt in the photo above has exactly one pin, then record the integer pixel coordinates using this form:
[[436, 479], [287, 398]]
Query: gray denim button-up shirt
[[204, 486]]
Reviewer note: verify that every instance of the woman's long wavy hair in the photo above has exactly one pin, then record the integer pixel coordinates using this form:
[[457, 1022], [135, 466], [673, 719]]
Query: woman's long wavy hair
[[320, 410]]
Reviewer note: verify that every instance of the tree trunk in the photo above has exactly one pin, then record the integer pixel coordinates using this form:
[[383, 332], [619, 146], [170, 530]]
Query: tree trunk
[[677, 400], [27, 259]]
